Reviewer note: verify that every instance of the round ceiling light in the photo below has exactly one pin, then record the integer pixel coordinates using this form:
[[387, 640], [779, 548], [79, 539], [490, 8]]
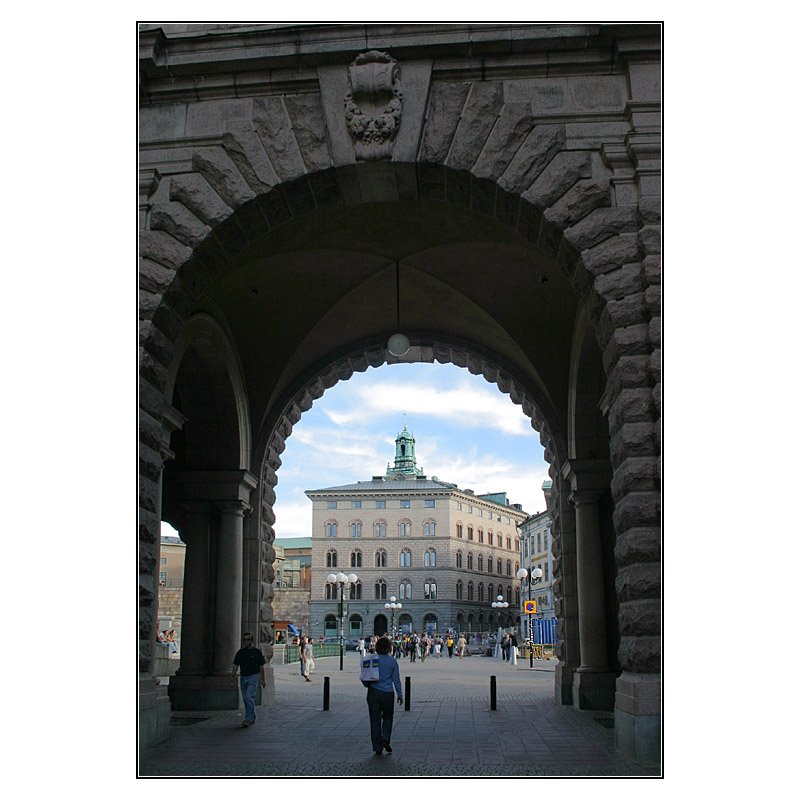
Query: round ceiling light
[[399, 344]]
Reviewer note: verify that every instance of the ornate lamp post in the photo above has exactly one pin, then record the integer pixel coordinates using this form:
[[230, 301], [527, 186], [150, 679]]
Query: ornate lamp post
[[344, 582], [534, 576], [499, 603], [391, 606]]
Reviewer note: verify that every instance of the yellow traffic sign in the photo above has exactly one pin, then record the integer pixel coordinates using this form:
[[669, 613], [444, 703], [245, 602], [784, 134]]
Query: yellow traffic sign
[[529, 606]]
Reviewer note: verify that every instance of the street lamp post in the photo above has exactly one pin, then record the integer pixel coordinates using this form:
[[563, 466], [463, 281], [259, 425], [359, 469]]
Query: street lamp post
[[392, 605], [533, 577], [343, 582], [499, 603]]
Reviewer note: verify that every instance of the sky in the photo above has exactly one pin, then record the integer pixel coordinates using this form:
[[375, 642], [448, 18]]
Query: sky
[[467, 432]]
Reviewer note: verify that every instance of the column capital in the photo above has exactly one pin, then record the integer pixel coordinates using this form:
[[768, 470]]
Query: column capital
[[587, 474], [218, 486]]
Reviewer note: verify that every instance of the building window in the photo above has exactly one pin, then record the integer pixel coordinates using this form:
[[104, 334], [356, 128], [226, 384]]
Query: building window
[[480, 562], [380, 558], [405, 558], [489, 564], [459, 590], [430, 504], [459, 531], [380, 504], [525, 549], [331, 559], [355, 530], [331, 504], [356, 504], [429, 559], [429, 528], [499, 566], [355, 591], [480, 592], [330, 592], [405, 504], [491, 591], [516, 545], [380, 529], [355, 558], [162, 578], [491, 538], [458, 560], [330, 530], [405, 590], [469, 560], [480, 512], [470, 534], [480, 535], [539, 542], [470, 591], [469, 509], [430, 590], [547, 570], [508, 567], [516, 597], [380, 590], [508, 542], [458, 506], [330, 626], [516, 567], [404, 528], [545, 538], [163, 560]]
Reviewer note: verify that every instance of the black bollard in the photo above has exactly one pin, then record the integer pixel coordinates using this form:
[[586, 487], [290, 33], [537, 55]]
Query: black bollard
[[326, 694], [493, 692], [408, 694]]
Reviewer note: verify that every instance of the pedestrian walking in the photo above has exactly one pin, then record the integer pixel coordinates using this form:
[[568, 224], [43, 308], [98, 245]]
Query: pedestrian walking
[[249, 661], [461, 646], [450, 643], [309, 653], [302, 652], [380, 698], [504, 645]]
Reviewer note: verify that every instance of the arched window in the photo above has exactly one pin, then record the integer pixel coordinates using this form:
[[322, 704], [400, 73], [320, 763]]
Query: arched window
[[404, 527], [405, 589], [489, 564], [331, 559], [470, 591], [508, 567], [355, 591], [480, 594], [330, 529], [459, 531], [469, 560], [429, 559], [491, 538], [430, 589], [480, 535], [458, 560], [355, 529], [490, 592], [405, 558], [508, 542], [379, 529], [516, 567], [330, 591], [429, 528], [330, 626], [355, 558], [499, 566], [380, 558], [470, 534], [459, 590], [516, 597], [380, 589], [480, 562]]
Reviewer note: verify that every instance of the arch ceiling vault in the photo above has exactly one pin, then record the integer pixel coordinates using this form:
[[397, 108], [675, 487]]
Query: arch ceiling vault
[[514, 176]]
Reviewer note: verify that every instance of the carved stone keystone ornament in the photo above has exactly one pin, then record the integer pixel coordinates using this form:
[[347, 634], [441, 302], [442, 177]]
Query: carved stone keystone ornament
[[373, 106]]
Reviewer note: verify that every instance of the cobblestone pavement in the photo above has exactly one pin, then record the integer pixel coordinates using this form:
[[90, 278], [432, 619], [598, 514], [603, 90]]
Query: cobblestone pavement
[[449, 731]]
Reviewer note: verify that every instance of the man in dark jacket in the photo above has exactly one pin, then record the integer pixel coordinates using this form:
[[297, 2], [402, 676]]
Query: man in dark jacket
[[250, 661]]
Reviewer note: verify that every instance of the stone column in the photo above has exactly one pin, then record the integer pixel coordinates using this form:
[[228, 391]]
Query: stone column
[[194, 636], [594, 679], [228, 610], [212, 631]]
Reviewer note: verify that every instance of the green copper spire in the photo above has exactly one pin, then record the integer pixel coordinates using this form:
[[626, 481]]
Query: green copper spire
[[405, 460]]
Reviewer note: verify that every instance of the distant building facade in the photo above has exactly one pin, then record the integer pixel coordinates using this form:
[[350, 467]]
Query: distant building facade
[[444, 553], [535, 551], [170, 585]]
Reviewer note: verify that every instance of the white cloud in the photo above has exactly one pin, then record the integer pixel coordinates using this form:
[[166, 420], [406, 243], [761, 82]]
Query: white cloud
[[465, 404], [293, 519]]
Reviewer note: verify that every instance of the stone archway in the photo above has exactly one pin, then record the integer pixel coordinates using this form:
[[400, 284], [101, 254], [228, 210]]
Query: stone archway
[[263, 199]]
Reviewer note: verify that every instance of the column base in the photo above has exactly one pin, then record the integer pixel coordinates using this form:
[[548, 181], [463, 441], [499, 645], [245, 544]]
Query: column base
[[563, 683], [593, 691], [204, 692], [637, 718], [154, 712]]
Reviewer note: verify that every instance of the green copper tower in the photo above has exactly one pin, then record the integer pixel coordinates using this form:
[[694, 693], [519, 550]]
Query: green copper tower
[[405, 460]]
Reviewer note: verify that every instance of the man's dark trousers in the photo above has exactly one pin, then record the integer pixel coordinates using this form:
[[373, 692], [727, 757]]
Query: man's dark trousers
[[381, 705]]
